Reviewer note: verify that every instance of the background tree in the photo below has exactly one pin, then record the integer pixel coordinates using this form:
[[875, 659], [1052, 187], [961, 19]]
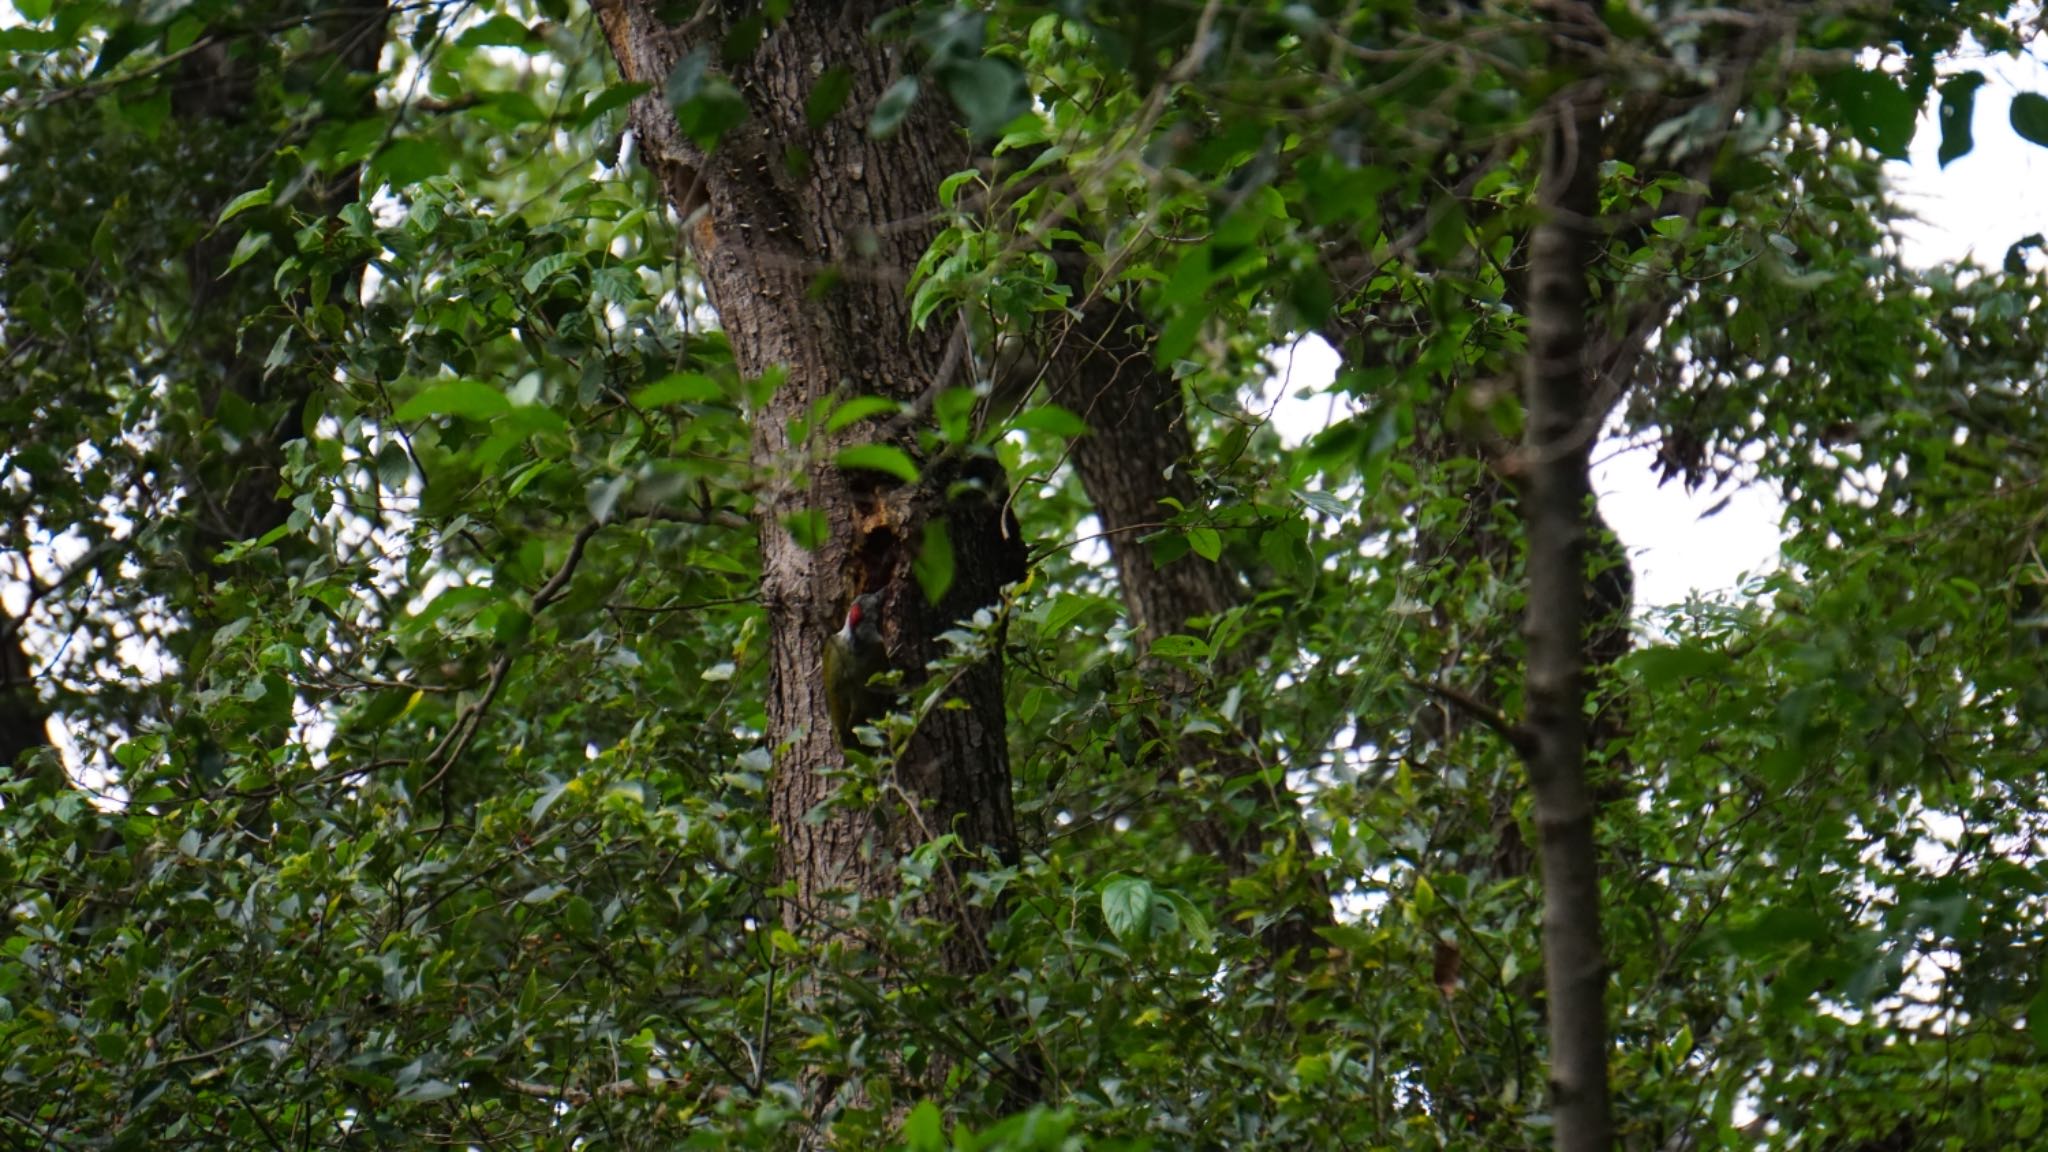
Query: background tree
[[442, 464]]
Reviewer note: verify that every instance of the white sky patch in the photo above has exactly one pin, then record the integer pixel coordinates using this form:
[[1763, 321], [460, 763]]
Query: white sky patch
[[1680, 542], [1983, 202]]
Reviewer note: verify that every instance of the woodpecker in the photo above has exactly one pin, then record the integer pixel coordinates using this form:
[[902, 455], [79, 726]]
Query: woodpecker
[[852, 656]]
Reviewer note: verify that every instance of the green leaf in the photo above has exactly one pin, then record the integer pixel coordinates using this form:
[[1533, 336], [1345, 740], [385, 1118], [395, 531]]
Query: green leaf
[[716, 110], [890, 110], [1878, 109], [1285, 547], [471, 399], [253, 198], [394, 465], [28, 41], [686, 79], [1064, 609], [1206, 541], [885, 458], [1323, 502], [989, 92], [858, 409], [247, 247], [2030, 117], [1958, 105], [1052, 420], [1181, 647], [706, 104], [828, 96], [408, 160], [1662, 665], [679, 388], [807, 527], [547, 268], [924, 1129], [426, 1090], [121, 41], [382, 709], [147, 110], [33, 11], [500, 30], [615, 96], [1127, 907], [934, 564]]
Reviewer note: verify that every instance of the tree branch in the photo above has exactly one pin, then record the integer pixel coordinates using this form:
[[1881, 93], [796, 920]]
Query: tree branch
[[1517, 736]]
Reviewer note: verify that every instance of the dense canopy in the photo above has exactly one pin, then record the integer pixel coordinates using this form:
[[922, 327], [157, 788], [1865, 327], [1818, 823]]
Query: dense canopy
[[440, 440]]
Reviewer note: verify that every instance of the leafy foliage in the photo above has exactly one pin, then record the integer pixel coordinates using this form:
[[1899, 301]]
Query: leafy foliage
[[380, 529]]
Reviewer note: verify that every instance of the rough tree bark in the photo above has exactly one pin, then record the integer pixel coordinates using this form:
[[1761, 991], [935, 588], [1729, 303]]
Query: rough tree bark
[[1557, 496], [805, 241]]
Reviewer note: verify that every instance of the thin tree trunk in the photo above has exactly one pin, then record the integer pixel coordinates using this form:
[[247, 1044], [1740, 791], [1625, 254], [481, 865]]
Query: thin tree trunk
[[805, 244], [1557, 498]]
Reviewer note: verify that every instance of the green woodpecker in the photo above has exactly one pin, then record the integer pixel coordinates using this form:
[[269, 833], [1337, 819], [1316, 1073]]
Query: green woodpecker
[[853, 655]]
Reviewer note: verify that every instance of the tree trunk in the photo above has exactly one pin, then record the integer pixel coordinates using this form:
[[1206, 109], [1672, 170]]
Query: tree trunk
[[805, 243], [1557, 499], [1132, 462], [24, 718]]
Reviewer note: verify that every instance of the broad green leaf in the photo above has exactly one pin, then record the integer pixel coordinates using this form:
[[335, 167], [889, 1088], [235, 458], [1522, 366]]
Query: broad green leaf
[[612, 97], [253, 198], [706, 104], [923, 1129], [858, 409], [988, 91], [1063, 610], [472, 399], [828, 96], [884, 458], [547, 268], [934, 566], [426, 1090], [1660, 665], [500, 30], [409, 160], [1127, 907], [890, 110], [679, 388], [807, 527], [1050, 419], [1878, 109], [247, 247], [1180, 646]]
